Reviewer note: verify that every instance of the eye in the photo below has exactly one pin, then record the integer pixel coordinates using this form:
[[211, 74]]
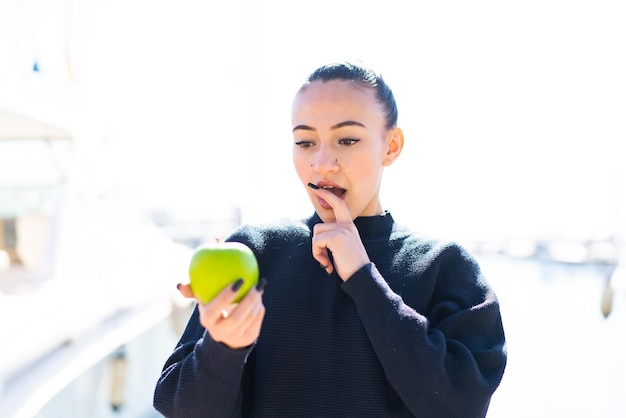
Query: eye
[[304, 143], [348, 141]]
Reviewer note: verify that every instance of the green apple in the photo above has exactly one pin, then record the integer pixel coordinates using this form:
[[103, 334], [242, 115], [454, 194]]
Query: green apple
[[215, 266]]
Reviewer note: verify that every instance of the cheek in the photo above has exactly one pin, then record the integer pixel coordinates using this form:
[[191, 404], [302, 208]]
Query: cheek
[[367, 171], [301, 166]]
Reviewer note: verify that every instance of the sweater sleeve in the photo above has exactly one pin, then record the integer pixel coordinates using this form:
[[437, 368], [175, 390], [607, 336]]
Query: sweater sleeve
[[451, 357], [201, 377]]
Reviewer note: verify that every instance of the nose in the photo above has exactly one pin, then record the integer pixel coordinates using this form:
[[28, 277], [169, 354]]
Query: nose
[[325, 161]]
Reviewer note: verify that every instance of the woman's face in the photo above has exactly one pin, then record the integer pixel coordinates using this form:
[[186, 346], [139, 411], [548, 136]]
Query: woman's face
[[340, 143]]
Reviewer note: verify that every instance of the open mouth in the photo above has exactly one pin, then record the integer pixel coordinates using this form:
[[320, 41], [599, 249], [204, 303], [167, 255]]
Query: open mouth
[[337, 191]]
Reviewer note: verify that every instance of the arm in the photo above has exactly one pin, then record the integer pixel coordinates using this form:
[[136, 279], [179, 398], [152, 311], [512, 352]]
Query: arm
[[205, 371], [201, 375], [450, 358], [441, 343]]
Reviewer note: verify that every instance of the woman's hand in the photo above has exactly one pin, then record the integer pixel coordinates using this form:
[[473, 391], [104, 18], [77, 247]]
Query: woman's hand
[[341, 238], [236, 325]]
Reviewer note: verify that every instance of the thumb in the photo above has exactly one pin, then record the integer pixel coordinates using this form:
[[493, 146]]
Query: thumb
[[185, 290]]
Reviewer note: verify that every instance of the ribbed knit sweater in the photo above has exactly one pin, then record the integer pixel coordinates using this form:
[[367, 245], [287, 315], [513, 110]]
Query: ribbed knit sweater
[[416, 332]]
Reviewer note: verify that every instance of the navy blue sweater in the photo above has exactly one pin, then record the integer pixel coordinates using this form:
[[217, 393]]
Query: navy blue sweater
[[417, 332]]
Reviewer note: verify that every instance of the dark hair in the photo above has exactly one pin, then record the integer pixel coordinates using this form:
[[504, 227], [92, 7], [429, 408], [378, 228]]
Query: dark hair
[[365, 77]]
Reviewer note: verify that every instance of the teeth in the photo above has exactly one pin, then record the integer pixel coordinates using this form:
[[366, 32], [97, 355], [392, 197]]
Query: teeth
[[327, 187]]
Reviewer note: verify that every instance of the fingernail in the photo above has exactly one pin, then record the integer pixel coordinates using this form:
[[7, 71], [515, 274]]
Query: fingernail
[[261, 285], [313, 186], [237, 285]]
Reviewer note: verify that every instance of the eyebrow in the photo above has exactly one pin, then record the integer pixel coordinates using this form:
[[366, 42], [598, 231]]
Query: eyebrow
[[336, 126]]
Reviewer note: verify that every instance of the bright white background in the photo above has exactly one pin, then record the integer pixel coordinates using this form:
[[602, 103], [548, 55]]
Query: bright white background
[[513, 111]]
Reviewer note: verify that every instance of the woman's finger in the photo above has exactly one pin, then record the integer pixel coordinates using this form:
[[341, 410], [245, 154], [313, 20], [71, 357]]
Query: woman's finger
[[185, 290], [342, 214], [221, 305], [238, 325]]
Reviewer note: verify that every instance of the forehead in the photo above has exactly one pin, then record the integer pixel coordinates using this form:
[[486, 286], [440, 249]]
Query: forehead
[[335, 100]]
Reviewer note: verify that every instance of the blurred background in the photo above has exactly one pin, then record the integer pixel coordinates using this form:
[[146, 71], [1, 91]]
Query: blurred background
[[132, 131]]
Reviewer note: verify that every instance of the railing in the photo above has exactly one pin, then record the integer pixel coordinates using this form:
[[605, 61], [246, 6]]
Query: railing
[[108, 355]]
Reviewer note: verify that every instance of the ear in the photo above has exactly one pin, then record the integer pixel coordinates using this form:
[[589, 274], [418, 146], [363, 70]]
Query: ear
[[395, 143]]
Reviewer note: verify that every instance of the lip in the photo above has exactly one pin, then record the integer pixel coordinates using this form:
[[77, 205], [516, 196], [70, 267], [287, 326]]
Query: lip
[[324, 184]]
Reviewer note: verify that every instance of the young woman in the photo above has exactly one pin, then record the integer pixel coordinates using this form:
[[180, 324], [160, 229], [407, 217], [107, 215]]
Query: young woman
[[361, 317]]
